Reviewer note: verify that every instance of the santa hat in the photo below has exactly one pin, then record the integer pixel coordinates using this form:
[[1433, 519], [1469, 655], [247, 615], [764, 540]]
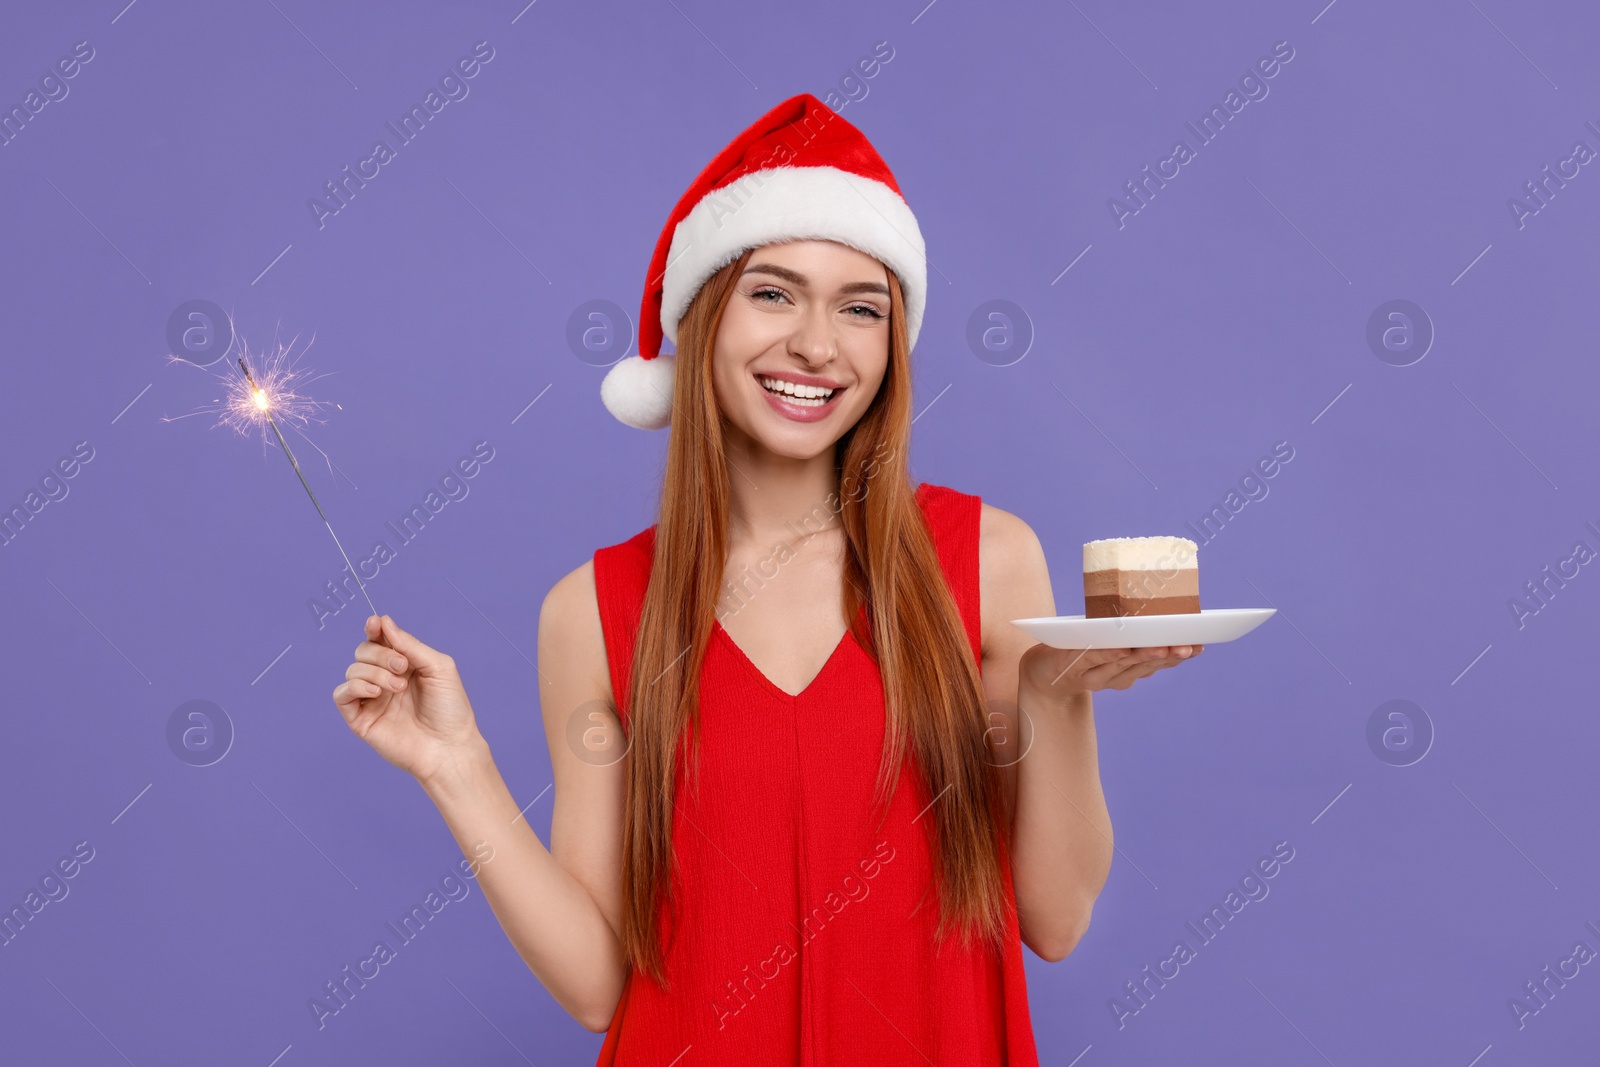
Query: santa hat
[[798, 172]]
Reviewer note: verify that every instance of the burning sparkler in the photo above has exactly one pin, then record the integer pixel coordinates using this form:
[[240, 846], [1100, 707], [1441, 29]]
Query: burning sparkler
[[251, 404]]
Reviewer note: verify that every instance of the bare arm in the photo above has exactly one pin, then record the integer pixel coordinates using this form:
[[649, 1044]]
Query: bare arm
[[559, 907], [1063, 839]]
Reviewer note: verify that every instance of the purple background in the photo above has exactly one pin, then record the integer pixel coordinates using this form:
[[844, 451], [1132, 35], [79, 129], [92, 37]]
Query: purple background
[[1226, 316]]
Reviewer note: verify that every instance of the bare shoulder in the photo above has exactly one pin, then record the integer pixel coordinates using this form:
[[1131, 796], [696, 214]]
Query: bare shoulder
[[572, 597], [1009, 552], [1013, 575], [1002, 534], [578, 579], [571, 640]]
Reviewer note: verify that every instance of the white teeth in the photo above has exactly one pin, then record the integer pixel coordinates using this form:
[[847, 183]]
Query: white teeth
[[804, 395]]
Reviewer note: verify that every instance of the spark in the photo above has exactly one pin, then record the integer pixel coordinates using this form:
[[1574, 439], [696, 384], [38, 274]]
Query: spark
[[274, 396], [258, 403]]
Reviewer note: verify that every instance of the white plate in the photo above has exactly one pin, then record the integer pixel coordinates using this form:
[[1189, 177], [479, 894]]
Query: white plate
[[1212, 626]]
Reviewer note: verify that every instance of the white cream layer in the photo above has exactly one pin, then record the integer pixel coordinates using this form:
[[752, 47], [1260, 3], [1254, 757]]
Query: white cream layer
[[1140, 554]]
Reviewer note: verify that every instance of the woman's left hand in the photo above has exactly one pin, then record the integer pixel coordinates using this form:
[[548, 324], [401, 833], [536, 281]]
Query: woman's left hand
[[1063, 672]]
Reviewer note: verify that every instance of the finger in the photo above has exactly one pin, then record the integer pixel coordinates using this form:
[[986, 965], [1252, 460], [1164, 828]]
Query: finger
[[1120, 674], [1138, 671], [1104, 675], [373, 627], [1097, 668], [1095, 657], [382, 655], [421, 656], [347, 696], [1076, 661], [1138, 665], [376, 675]]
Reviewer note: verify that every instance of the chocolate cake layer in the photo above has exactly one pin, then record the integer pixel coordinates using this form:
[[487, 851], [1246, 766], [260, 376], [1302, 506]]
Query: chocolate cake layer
[[1102, 607]]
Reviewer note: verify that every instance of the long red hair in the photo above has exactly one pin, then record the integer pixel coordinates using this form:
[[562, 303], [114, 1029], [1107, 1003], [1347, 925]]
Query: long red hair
[[935, 705]]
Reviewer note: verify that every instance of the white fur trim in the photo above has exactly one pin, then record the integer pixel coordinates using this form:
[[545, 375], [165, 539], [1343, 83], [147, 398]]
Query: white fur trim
[[638, 391], [790, 203]]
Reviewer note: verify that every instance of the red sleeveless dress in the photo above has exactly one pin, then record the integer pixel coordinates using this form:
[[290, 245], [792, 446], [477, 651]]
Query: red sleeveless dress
[[804, 932]]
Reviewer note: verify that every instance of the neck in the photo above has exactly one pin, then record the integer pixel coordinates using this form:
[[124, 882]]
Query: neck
[[775, 498]]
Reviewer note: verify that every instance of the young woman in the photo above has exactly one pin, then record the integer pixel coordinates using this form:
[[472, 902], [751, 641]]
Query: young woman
[[812, 791]]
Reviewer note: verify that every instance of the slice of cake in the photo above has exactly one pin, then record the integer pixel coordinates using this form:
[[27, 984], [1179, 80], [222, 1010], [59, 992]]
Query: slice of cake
[[1141, 576]]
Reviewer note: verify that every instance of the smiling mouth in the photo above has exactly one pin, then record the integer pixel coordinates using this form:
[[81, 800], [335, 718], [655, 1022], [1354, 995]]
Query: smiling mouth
[[805, 396]]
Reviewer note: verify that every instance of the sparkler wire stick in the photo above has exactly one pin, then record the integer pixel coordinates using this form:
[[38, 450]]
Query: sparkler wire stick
[[261, 402]]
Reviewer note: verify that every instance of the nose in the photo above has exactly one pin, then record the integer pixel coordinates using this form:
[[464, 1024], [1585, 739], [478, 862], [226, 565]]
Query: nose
[[813, 339]]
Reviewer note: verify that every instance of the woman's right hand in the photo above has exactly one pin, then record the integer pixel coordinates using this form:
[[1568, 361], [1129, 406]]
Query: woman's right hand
[[406, 700]]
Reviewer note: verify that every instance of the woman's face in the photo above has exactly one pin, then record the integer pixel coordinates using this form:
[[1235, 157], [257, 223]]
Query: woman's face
[[804, 318]]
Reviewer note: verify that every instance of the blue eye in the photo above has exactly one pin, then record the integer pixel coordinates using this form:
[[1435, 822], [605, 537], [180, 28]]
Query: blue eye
[[766, 291]]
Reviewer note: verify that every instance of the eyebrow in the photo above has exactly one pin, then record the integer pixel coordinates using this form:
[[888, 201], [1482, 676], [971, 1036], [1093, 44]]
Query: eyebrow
[[796, 278]]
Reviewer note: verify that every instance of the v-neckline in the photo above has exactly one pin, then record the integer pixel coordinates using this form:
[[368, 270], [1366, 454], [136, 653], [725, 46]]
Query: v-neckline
[[750, 664]]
